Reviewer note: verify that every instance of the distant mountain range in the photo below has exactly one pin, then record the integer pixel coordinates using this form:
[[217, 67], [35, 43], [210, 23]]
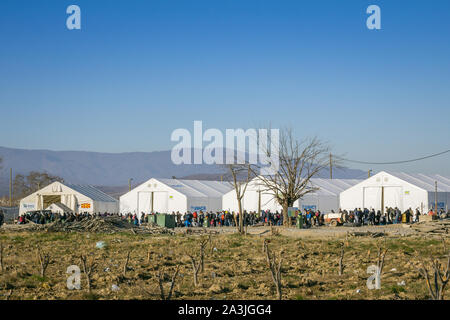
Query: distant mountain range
[[111, 171]]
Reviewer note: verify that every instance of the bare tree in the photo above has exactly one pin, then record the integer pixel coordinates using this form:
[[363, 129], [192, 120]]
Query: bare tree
[[299, 161], [24, 185], [341, 259], [210, 241], [44, 260], [202, 254], [440, 275], [88, 268], [125, 266], [1, 258], [380, 258], [240, 186], [195, 268], [161, 276], [275, 268]]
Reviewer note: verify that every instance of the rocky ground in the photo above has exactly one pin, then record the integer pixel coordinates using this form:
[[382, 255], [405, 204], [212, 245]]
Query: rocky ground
[[235, 266]]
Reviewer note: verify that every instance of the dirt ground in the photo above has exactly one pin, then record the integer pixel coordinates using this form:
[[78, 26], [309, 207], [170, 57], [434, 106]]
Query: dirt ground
[[235, 266]]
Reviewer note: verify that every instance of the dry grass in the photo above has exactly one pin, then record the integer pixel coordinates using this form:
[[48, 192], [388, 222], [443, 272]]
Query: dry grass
[[235, 268]]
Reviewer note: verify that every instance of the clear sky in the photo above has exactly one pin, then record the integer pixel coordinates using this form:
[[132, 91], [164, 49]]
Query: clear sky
[[137, 70]]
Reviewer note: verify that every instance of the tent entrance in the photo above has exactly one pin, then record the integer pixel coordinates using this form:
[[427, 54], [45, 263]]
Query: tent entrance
[[159, 201], [152, 201], [49, 200]]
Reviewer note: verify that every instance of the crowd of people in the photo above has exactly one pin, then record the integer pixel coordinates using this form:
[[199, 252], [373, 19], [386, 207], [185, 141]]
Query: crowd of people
[[390, 216], [224, 218]]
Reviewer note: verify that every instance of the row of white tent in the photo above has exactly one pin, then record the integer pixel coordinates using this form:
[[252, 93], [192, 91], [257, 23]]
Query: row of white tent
[[385, 189]]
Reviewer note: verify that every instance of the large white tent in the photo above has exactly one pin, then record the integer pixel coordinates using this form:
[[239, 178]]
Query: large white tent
[[398, 189], [78, 198], [172, 195], [251, 199], [325, 199]]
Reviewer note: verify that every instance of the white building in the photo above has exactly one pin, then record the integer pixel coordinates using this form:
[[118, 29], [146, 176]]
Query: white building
[[401, 190], [78, 198], [172, 195], [325, 199]]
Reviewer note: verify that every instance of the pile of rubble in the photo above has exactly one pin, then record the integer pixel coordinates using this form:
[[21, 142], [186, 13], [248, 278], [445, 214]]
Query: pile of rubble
[[100, 225], [436, 227]]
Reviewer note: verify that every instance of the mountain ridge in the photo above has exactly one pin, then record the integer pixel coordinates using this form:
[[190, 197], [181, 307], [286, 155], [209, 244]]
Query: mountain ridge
[[112, 169]]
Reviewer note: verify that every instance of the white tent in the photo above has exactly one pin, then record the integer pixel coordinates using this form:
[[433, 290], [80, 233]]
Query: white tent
[[172, 195], [79, 198], [251, 198], [398, 189], [325, 199]]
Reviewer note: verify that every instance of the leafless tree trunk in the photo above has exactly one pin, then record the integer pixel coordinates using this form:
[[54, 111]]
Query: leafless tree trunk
[[172, 283], [299, 161], [1, 257], [125, 266], [441, 278], [44, 260], [341, 260], [88, 268], [264, 246], [195, 269], [211, 245], [380, 258], [236, 170], [202, 254], [275, 268]]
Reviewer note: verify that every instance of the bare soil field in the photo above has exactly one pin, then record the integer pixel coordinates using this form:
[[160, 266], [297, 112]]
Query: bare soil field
[[235, 266]]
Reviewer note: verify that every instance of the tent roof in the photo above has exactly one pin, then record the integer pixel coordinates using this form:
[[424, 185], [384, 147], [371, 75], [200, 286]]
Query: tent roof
[[332, 186], [198, 188], [424, 181], [327, 187], [91, 192], [61, 206]]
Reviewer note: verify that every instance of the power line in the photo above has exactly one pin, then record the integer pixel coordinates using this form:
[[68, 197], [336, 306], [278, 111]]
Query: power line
[[395, 162]]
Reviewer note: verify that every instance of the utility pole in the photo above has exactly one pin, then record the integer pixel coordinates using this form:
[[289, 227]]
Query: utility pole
[[331, 167], [10, 187], [129, 184], [435, 197]]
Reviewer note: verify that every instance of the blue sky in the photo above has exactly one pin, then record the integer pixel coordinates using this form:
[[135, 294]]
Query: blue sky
[[137, 70]]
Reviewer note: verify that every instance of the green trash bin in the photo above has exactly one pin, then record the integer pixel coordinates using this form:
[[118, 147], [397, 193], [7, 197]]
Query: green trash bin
[[151, 218], [165, 220]]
